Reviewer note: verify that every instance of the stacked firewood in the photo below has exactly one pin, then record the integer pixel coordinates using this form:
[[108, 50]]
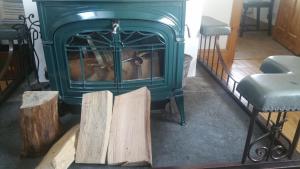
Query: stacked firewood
[[113, 131]]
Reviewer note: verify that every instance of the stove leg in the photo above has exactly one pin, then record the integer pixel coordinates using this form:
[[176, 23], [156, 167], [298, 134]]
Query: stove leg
[[180, 105]]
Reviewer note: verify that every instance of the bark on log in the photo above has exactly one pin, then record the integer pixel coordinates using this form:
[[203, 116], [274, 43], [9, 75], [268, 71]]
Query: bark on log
[[39, 122]]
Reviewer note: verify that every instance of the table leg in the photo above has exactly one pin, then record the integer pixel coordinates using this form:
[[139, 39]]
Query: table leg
[[258, 19]]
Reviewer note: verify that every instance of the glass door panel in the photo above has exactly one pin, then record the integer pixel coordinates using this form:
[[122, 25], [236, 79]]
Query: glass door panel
[[90, 58], [142, 56], [142, 64], [99, 65], [74, 64]]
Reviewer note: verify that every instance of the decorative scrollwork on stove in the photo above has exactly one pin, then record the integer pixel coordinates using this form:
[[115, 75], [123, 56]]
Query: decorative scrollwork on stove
[[141, 39], [97, 39], [127, 38]]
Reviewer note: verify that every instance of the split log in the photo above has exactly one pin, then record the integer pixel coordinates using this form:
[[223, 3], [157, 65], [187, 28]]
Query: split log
[[130, 136], [39, 121], [62, 153], [96, 113]]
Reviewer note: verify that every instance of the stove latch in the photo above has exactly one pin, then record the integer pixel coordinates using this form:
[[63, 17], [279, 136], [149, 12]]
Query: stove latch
[[115, 26]]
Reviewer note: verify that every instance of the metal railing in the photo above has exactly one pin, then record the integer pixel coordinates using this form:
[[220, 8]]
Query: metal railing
[[213, 61], [12, 69]]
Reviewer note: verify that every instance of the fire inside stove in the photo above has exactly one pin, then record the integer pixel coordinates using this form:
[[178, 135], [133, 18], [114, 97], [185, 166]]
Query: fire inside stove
[[102, 56]]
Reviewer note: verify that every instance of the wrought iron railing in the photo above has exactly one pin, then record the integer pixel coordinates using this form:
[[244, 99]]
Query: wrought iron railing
[[213, 61], [21, 59]]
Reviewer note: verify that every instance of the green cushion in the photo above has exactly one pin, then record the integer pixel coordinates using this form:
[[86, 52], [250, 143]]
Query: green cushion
[[272, 92], [257, 3], [276, 90], [213, 27], [281, 64]]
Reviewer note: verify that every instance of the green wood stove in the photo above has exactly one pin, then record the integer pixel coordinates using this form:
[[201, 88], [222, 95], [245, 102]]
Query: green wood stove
[[116, 45]]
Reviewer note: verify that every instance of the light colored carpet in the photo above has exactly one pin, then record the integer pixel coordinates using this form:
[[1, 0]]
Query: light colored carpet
[[215, 131]]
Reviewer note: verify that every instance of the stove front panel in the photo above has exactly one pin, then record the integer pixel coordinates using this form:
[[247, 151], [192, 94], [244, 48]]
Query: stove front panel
[[116, 45]]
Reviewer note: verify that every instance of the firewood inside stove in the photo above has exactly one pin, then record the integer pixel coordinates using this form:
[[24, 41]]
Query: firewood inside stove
[[135, 65]]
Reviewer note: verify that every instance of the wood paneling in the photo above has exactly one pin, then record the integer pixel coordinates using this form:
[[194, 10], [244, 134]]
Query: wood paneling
[[287, 28], [235, 27]]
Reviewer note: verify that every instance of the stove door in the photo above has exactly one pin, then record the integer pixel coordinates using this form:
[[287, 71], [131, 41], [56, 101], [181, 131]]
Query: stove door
[[90, 58], [143, 58], [93, 55]]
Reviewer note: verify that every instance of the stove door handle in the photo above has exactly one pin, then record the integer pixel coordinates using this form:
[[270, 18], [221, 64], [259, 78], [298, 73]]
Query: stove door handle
[[115, 27]]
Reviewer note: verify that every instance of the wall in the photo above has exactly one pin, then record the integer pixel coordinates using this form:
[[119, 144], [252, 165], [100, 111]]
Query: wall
[[220, 10], [30, 7], [193, 21]]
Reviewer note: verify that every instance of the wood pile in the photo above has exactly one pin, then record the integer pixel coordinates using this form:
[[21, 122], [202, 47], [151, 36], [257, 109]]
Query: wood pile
[[113, 132]]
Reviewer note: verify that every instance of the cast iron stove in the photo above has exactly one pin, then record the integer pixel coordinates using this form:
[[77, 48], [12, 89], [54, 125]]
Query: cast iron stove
[[116, 45]]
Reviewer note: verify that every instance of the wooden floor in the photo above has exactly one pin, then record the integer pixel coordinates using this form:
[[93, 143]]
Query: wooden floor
[[242, 68], [260, 46]]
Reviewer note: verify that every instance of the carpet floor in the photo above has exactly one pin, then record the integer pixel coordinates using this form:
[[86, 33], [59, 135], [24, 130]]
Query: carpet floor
[[215, 131]]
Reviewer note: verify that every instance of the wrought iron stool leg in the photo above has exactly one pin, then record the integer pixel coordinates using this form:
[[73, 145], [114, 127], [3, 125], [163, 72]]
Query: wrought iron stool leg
[[249, 135], [275, 130], [275, 149], [295, 141]]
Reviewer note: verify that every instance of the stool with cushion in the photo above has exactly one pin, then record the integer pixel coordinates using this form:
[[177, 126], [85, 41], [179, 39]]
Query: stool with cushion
[[213, 27], [281, 64], [278, 90], [211, 30]]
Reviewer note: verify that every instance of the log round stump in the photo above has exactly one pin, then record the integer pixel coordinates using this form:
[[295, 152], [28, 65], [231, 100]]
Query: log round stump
[[39, 122]]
